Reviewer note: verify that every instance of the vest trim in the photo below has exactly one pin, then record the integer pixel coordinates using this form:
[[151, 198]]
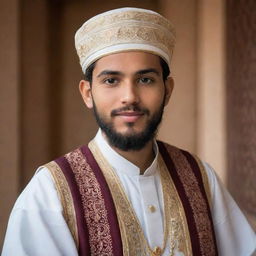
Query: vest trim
[[187, 177]]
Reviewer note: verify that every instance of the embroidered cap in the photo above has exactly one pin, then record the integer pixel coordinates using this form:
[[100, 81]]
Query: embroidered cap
[[124, 29]]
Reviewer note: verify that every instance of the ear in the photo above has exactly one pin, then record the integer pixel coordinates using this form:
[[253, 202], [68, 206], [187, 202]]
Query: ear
[[169, 84], [85, 90]]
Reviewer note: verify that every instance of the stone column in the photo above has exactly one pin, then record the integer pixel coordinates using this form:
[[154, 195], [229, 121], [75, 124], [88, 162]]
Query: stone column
[[241, 103], [35, 95], [211, 84], [9, 109], [195, 117], [179, 123]]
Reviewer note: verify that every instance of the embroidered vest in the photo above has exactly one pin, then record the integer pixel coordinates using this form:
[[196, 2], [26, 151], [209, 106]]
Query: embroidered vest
[[92, 204]]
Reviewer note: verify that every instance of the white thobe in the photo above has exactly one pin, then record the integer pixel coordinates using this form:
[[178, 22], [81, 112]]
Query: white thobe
[[37, 227]]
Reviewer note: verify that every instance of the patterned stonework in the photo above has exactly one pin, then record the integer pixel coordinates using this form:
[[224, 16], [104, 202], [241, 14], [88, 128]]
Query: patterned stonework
[[241, 103]]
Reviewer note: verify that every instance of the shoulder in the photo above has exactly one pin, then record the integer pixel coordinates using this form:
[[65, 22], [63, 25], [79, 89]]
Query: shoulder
[[167, 146], [180, 156], [40, 193], [234, 234], [36, 225], [172, 150], [226, 215], [185, 159]]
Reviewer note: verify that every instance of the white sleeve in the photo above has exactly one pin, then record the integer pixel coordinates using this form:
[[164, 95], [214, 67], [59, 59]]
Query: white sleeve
[[233, 233], [36, 226]]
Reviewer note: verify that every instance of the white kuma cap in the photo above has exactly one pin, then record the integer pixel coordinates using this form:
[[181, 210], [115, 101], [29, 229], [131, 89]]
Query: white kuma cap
[[124, 29]]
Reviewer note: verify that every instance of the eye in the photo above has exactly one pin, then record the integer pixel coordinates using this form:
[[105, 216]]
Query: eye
[[110, 81], [146, 80]]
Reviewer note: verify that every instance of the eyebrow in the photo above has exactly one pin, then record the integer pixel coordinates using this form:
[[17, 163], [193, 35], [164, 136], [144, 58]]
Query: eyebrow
[[149, 70], [109, 72], [140, 72]]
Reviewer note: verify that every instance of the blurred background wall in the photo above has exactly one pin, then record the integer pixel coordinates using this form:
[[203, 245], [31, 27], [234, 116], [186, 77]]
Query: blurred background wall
[[212, 112]]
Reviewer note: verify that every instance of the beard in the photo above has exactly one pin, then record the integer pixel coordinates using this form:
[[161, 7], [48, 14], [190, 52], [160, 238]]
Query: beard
[[132, 141]]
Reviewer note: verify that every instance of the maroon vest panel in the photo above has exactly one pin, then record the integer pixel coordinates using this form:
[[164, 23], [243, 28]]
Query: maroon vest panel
[[88, 211], [190, 190]]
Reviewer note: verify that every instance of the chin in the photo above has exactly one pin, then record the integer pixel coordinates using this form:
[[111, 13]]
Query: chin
[[130, 130], [134, 127]]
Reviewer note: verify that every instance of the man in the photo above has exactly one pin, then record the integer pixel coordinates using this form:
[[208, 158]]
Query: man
[[125, 193]]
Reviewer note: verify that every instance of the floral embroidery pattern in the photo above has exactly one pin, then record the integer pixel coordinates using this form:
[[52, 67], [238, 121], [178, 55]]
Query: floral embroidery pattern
[[93, 203], [196, 200]]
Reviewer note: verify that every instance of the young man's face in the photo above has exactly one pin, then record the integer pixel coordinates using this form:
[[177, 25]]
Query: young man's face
[[128, 95]]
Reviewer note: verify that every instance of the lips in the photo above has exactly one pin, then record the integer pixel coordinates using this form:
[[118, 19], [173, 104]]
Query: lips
[[130, 116]]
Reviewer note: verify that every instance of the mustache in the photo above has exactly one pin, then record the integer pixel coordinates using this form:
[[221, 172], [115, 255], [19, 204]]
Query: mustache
[[130, 108]]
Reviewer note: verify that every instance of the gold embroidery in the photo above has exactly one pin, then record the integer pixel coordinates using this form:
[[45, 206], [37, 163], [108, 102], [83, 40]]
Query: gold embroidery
[[133, 239], [129, 15], [196, 200], [93, 204], [65, 198], [179, 233], [156, 37]]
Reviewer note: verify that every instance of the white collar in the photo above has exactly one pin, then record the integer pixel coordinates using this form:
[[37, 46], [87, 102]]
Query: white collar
[[121, 164]]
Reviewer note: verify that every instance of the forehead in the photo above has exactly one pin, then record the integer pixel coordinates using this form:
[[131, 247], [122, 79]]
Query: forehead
[[131, 61]]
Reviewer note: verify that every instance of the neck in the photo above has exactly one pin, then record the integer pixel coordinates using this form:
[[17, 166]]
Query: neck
[[141, 158]]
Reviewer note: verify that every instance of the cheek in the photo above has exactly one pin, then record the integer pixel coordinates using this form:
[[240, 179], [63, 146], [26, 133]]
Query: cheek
[[104, 102], [153, 99]]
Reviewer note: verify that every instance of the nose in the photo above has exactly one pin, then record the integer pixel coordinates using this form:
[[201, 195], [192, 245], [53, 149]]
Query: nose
[[130, 94]]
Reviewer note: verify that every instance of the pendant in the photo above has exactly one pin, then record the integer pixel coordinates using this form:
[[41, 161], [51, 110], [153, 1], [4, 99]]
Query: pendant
[[157, 251]]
